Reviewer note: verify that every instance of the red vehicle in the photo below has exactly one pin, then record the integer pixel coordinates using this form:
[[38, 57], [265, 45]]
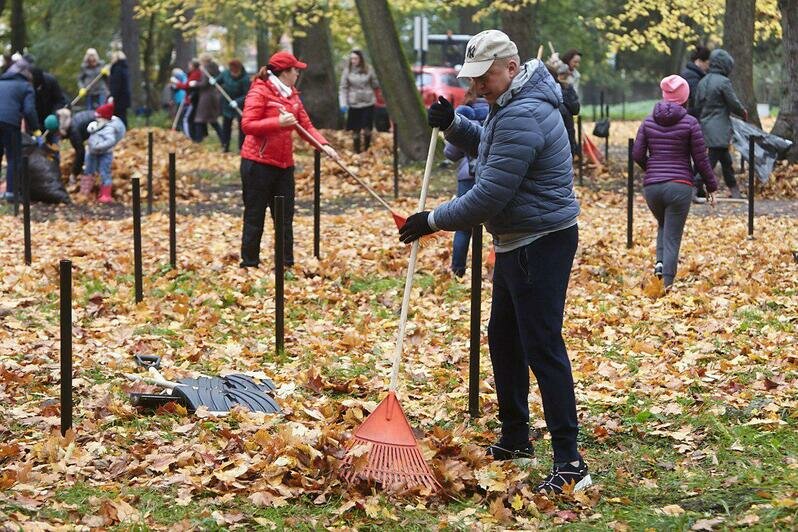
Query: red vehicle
[[437, 81]]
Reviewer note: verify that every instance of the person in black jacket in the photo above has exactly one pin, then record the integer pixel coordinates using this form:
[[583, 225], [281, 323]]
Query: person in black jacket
[[119, 85], [49, 96], [17, 101], [693, 72], [76, 129], [570, 101]]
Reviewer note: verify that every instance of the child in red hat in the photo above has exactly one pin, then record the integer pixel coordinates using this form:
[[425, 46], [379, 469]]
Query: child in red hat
[[104, 133]]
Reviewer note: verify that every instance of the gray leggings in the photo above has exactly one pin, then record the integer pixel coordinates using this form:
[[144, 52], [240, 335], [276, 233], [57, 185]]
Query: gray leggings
[[670, 204]]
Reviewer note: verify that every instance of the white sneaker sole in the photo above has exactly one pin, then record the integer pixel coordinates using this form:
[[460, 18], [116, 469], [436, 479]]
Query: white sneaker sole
[[583, 484]]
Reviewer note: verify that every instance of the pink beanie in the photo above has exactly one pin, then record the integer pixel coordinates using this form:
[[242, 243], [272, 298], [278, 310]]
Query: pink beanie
[[675, 89]]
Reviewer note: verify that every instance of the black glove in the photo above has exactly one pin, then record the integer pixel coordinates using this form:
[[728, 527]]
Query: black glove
[[415, 227], [440, 113]]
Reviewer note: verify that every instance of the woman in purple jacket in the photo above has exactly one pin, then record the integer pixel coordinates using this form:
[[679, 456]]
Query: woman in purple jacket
[[665, 144]]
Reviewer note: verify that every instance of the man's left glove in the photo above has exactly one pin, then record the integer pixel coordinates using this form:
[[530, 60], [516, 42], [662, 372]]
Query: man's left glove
[[416, 226]]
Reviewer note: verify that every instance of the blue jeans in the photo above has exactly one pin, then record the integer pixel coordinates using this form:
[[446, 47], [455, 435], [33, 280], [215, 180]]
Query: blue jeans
[[93, 101], [10, 144], [461, 238], [525, 331], [100, 163]]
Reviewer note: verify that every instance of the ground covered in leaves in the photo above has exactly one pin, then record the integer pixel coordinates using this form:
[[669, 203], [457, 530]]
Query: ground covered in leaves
[[687, 401]]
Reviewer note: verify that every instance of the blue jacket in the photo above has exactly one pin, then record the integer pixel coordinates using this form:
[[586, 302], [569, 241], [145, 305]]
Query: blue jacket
[[524, 171], [17, 100], [477, 111]]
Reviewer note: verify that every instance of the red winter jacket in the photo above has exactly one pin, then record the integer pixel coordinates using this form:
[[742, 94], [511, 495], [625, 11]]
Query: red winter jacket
[[194, 75], [267, 142]]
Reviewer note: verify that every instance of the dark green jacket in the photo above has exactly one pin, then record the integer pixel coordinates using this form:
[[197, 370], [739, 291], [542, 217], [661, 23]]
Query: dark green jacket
[[236, 88], [715, 100]]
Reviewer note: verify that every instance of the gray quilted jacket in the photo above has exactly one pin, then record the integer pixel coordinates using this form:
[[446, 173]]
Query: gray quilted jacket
[[715, 100], [106, 135], [357, 88], [524, 171]]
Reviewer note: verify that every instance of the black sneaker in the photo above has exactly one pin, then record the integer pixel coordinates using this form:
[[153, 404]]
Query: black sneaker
[[658, 270], [501, 451], [565, 474]]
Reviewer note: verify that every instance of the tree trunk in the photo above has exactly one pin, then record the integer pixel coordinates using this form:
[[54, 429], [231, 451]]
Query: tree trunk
[[262, 45], [465, 17], [402, 98], [738, 40], [18, 33], [519, 24], [787, 122], [185, 47], [131, 34], [2, 7], [147, 63], [317, 83]]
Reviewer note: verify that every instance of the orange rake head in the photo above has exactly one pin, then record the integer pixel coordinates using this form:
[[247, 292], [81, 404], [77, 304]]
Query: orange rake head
[[399, 220], [393, 458]]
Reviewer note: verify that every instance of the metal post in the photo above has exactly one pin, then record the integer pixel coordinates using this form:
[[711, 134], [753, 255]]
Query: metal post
[[581, 151], [26, 209], [172, 213], [317, 204], [279, 273], [751, 184], [630, 191], [65, 270], [149, 172], [476, 320], [742, 163], [17, 181], [395, 161], [601, 104], [137, 269], [607, 149]]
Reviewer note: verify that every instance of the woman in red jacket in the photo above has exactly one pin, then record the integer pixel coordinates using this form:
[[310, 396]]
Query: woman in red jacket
[[271, 110]]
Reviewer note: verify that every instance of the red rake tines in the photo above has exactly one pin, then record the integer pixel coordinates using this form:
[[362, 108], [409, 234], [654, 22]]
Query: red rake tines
[[592, 151], [394, 458]]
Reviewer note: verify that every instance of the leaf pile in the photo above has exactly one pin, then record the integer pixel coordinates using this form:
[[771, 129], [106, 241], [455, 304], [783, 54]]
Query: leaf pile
[[679, 374]]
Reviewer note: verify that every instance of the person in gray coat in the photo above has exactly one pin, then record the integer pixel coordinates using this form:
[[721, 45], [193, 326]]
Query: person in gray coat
[[356, 95], [715, 101], [92, 67], [524, 193]]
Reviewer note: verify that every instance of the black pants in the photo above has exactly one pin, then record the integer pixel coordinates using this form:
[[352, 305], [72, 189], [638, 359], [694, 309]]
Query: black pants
[[80, 156], [11, 147], [723, 156], [261, 184], [525, 331], [227, 132]]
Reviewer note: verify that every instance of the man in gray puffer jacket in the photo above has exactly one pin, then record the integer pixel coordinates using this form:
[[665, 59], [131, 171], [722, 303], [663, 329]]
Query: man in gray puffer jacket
[[715, 101], [524, 193]]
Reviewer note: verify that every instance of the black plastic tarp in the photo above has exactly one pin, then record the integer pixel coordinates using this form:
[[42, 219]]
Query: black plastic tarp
[[768, 149]]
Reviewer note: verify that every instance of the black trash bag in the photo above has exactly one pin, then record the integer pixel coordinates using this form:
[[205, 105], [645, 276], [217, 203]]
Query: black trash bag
[[602, 128], [44, 173], [767, 150]]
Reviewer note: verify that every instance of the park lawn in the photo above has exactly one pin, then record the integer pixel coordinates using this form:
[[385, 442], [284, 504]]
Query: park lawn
[[687, 401]]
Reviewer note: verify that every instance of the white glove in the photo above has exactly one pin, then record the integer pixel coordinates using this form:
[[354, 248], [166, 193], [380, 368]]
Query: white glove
[[173, 80], [233, 104], [192, 83], [212, 81], [92, 127]]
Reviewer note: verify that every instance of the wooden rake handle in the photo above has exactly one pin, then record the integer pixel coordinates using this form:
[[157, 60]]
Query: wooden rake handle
[[220, 89], [411, 267]]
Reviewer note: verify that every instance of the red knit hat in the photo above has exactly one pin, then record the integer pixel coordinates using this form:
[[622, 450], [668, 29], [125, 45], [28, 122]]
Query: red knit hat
[[105, 111], [284, 60]]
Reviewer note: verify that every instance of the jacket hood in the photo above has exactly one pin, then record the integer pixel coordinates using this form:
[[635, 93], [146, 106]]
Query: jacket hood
[[535, 81], [668, 113], [721, 62], [695, 68], [481, 109]]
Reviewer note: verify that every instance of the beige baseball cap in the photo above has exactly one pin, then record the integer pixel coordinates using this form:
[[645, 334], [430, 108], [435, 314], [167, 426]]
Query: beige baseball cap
[[484, 48]]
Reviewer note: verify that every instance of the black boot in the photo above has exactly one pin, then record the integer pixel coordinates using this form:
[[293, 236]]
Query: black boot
[[356, 138], [366, 140]]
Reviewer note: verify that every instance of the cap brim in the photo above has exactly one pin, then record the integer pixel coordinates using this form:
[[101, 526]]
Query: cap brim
[[474, 69], [300, 65]]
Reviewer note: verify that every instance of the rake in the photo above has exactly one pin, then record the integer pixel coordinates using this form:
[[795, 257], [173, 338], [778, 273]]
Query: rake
[[394, 457], [398, 219]]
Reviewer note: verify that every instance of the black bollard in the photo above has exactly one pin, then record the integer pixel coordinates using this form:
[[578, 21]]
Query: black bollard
[[279, 273], [607, 149], [137, 239], [17, 181], [26, 209], [630, 192], [581, 152], [65, 269], [317, 204], [172, 213], [601, 104], [395, 161], [476, 319], [751, 184], [149, 171]]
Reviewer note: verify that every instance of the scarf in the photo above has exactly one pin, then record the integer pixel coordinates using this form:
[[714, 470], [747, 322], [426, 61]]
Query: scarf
[[284, 89]]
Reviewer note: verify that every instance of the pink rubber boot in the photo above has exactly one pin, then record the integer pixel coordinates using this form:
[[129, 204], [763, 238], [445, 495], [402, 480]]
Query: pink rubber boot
[[105, 194]]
